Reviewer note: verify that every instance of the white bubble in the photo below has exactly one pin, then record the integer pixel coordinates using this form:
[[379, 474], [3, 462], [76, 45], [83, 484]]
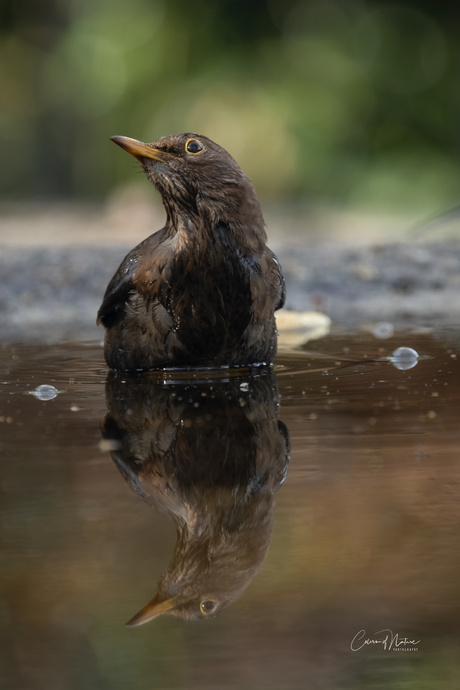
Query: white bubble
[[404, 358], [45, 392]]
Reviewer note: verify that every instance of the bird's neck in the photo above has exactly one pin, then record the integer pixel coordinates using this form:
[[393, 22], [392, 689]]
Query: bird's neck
[[243, 227]]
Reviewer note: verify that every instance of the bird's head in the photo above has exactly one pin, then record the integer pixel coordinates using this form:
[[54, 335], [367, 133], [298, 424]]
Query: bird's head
[[197, 178], [211, 565], [195, 608]]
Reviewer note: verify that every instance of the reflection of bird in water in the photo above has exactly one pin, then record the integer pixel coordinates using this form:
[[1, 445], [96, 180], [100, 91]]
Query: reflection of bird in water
[[211, 455], [203, 290]]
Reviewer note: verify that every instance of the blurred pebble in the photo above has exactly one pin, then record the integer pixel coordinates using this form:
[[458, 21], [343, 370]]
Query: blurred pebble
[[108, 445], [364, 272], [45, 392], [404, 358], [297, 328], [383, 330]]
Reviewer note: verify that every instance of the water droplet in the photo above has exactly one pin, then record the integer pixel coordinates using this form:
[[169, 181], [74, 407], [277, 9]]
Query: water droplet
[[45, 392], [404, 358]]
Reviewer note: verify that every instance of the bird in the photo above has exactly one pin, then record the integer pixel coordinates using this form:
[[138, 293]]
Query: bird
[[210, 455], [202, 291]]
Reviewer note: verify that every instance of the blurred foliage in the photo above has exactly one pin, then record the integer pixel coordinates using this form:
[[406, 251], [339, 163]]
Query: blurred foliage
[[339, 101]]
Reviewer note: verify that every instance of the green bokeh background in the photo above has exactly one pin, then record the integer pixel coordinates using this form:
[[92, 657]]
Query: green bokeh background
[[343, 102]]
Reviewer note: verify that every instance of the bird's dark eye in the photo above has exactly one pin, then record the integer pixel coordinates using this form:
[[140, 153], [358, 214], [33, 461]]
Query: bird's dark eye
[[194, 146], [208, 606]]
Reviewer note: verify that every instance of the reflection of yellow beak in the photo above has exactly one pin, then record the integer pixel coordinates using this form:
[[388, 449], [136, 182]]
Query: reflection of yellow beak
[[138, 149], [151, 610]]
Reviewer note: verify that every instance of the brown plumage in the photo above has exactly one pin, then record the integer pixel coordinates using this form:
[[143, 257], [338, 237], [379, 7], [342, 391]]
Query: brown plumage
[[210, 455], [203, 290]]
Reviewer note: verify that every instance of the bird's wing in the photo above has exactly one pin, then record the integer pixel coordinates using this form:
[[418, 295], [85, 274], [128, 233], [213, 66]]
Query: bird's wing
[[282, 284], [118, 291], [123, 283], [277, 279]]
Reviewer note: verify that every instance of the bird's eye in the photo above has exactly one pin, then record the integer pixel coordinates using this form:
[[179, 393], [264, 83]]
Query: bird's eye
[[208, 606], [194, 146]]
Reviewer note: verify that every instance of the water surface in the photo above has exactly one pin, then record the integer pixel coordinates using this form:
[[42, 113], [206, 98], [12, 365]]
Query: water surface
[[117, 490]]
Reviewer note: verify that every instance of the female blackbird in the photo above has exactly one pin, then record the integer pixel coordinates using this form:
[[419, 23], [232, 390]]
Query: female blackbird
[[203, 290]]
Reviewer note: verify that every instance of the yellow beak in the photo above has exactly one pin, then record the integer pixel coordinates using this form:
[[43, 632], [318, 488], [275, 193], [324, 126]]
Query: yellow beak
[[138, 149], [151, 610]]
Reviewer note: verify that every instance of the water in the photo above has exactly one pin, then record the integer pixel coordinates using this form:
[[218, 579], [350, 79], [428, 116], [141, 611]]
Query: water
[[116, 491]]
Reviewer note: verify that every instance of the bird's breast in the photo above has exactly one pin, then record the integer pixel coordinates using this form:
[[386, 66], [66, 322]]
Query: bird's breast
[[209, 299], [200, 302]]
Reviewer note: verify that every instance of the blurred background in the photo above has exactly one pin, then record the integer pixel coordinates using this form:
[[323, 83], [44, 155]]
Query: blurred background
[[347, 104]]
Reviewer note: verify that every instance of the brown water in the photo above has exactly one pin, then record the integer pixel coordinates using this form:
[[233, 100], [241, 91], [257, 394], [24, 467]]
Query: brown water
[[188, 489]]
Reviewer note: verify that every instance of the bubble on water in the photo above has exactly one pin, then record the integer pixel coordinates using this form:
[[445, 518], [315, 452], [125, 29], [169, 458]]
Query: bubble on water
[[404, 358], [383, 330], [45, 392]]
